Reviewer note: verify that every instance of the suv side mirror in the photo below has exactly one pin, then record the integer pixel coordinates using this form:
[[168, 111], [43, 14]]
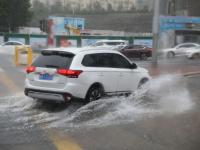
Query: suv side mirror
[[133, 66]]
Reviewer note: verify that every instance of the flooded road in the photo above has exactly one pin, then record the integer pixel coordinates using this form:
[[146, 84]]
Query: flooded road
[[167, 94], [163, 115]]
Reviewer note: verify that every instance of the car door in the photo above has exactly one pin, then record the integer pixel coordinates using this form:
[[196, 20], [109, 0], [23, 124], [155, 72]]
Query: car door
[[98, 66], [182, 49], [138, 50], [127, 80], [108, 74], [128, 51]]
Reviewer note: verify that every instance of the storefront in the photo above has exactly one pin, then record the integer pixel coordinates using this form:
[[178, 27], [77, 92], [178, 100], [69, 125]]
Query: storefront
[[178, 29]]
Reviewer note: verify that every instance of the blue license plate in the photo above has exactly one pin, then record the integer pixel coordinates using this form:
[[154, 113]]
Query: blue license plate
[[46, 76]]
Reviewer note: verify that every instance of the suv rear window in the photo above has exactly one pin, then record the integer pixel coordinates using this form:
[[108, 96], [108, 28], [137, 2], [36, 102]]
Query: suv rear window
[[105, 60], [54, 60]]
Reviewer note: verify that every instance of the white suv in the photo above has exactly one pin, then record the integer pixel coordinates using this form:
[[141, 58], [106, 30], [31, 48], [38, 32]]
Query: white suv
[[110, 43], [62, 74]]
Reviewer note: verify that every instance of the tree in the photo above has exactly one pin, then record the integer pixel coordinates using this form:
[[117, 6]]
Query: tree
[[14, 13], [57, 8], [40, 11], [120, 7], [109, 7], [97, 7]]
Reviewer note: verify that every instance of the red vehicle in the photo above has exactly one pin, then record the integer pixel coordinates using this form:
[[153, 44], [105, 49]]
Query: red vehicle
[[137, 51]]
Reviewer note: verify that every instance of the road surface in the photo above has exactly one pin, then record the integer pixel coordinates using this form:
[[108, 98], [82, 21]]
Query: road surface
[[164, 117]]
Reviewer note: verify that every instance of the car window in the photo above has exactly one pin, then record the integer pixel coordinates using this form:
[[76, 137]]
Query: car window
[[8, 43], [105, 60], [98, 44], [187, 46], [119, 61], [135, 46], [97, 60], [11, 43], [90, 60], [138, 47], [114, 43], [129, 47], [53, 61], [15, 43]]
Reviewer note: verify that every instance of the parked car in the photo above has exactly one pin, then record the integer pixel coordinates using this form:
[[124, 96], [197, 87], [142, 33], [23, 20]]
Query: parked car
[[136, 51], [193, 53], [109, 43], [179, 50], [9, 47], [61, 74]]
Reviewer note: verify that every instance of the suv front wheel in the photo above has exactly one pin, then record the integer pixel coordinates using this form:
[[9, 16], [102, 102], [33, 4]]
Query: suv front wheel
[[94, 93], [142, 82]]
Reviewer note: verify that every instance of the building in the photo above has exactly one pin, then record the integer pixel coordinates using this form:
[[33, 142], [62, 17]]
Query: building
[[184, 12], [187, 7]]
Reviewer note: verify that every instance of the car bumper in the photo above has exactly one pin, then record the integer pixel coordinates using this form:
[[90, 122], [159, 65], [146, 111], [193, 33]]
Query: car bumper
[[48, 95]]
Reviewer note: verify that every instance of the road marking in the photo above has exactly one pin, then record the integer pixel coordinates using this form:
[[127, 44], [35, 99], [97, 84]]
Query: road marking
[[60, 142], [9, 83], [63, 143]]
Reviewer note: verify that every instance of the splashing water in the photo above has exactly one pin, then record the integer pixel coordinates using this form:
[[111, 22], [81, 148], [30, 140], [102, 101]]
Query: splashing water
[[166, 94], [170, 93]]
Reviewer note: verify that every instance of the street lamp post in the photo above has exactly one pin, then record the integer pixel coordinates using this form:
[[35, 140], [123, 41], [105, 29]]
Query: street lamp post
[[156, 24]]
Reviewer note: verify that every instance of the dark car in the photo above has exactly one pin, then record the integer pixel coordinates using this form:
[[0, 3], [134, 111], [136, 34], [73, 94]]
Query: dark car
[[137, 51]]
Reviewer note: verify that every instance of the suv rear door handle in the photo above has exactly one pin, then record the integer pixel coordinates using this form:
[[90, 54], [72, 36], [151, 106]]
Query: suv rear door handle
[[121, 74]]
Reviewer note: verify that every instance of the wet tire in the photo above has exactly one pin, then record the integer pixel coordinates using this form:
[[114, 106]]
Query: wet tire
[[142, 82], [195, 56], [94, 93], [170, 54]]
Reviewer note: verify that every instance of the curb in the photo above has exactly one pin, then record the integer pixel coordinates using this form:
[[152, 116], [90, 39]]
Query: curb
[[192, 73]]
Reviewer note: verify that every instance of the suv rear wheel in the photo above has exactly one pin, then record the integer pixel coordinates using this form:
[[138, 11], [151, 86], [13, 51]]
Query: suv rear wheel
[[94, 93], [170, 54], [195, 56]]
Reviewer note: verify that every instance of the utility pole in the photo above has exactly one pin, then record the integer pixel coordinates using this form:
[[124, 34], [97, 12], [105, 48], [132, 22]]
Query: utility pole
[[156, 26]]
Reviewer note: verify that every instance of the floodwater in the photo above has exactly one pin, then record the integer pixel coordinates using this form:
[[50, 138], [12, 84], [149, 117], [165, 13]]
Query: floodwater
[[164, 95]]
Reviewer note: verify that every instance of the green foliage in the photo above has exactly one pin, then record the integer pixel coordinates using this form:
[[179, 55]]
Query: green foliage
[[14, 13], [43, 10], [40, 11], [109, 7], [57, 8]]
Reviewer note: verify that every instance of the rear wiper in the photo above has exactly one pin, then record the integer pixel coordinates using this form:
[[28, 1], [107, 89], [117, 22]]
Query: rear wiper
[[51, 66]]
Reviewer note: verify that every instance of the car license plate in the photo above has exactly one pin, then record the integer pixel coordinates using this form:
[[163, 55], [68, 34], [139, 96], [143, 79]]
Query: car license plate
[[46, 76]]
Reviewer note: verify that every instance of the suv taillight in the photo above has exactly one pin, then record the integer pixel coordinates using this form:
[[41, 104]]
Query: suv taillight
[[69, 73], [30, 69]]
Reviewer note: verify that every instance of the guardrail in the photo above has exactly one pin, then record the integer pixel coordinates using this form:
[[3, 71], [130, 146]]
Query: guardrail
[[23, 55]]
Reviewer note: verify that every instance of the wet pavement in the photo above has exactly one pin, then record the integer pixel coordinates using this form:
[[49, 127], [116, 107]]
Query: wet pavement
[[164, 115], [177, 65]]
